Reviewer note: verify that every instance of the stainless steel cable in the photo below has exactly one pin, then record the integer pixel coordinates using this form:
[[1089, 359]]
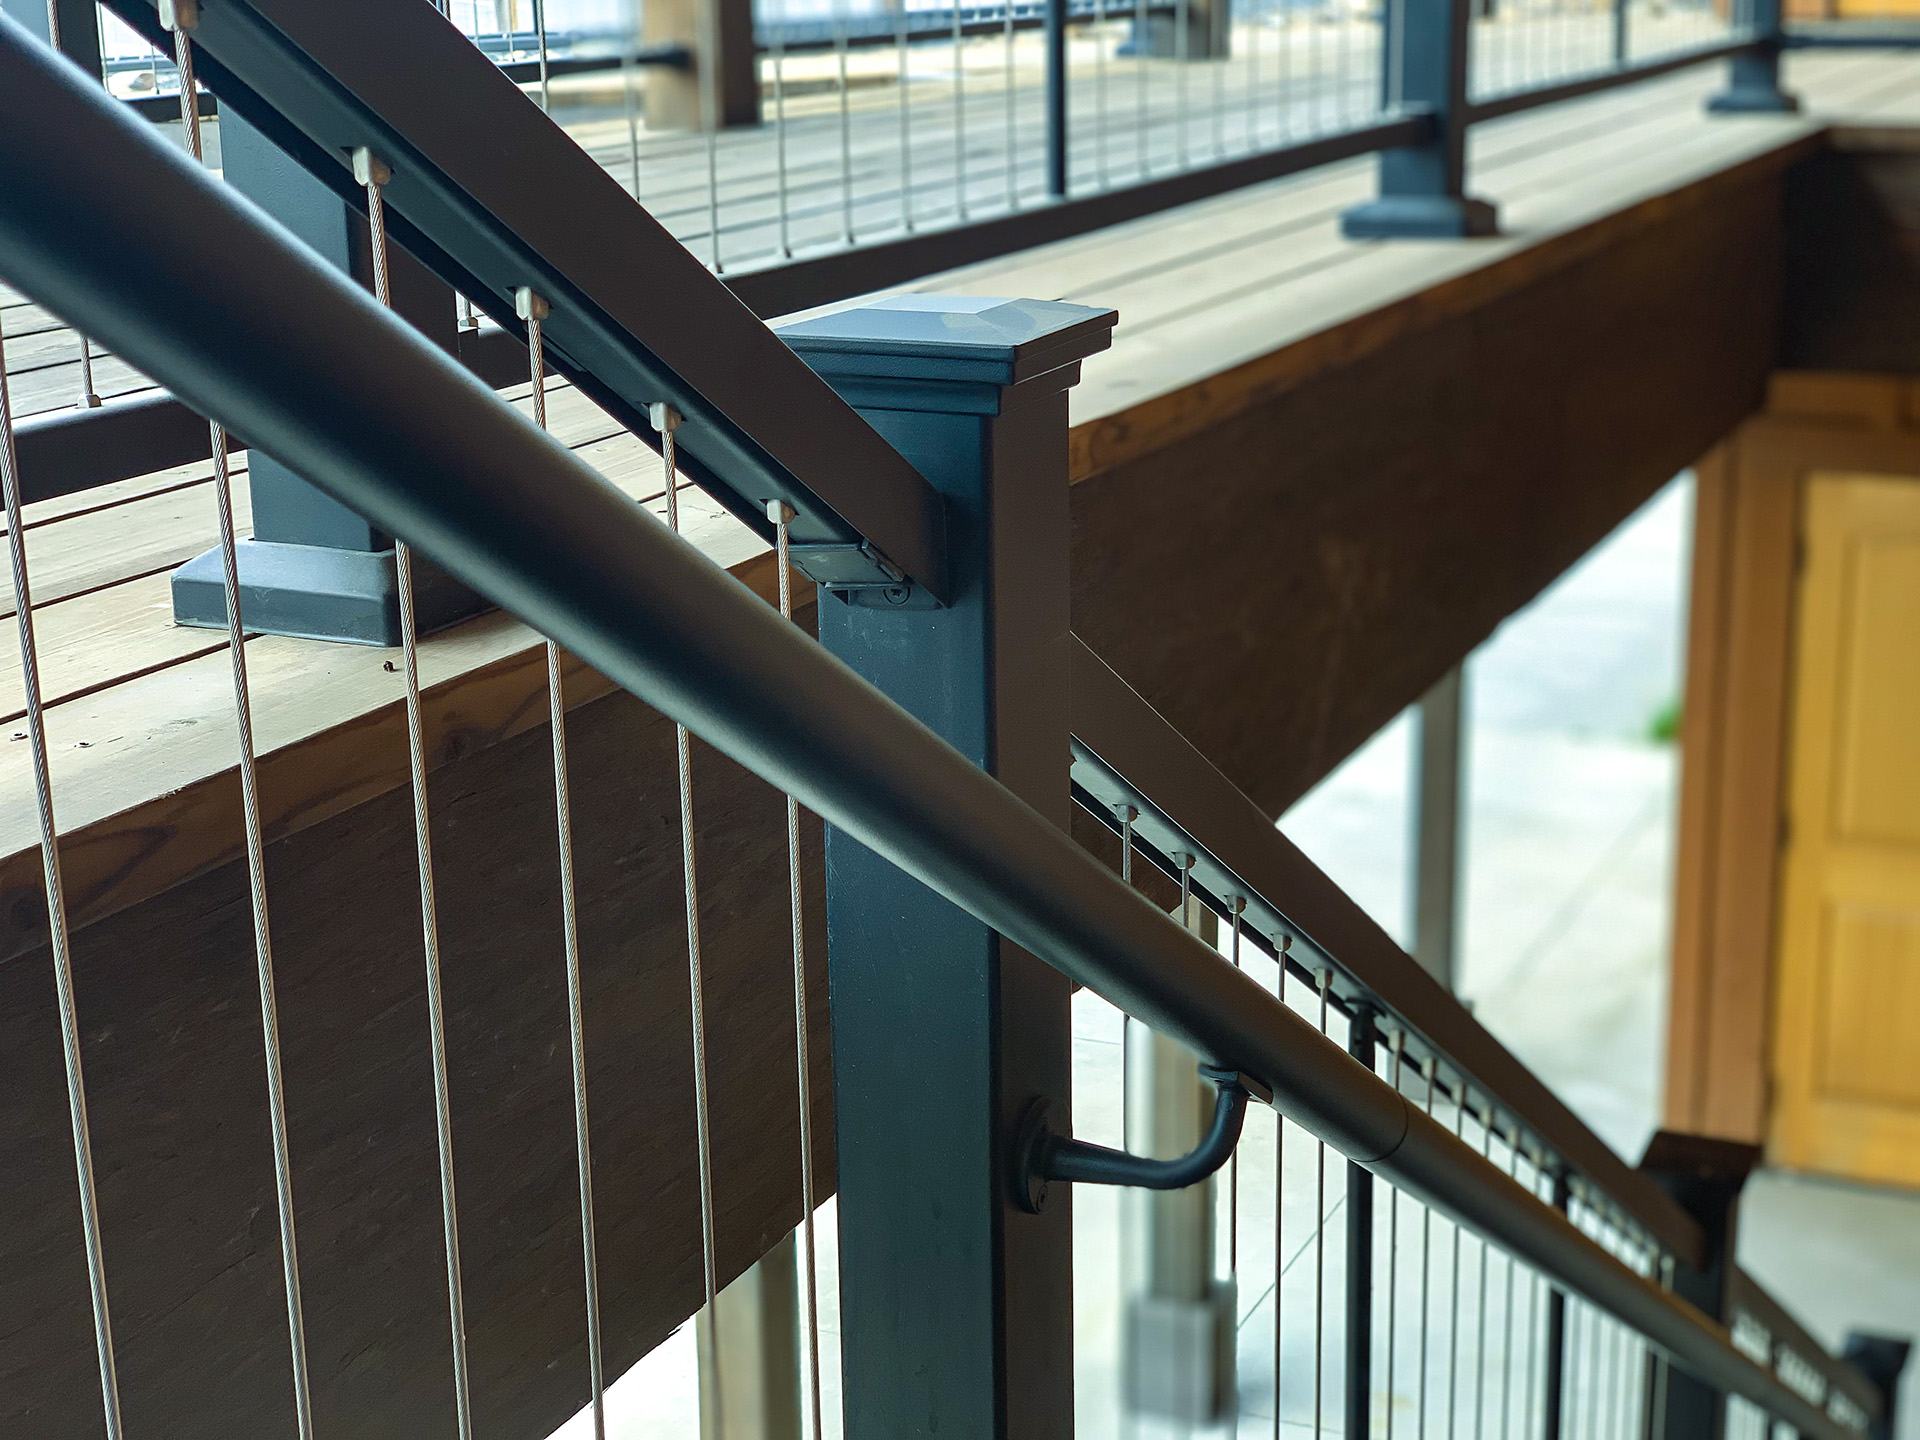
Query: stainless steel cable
[[533, 309], [1393, 1248], [58, 941], [629, 66], [959, 117], [1237, 907], [781, 514], [1324, 979], [779, 48], [846, 122], [1426, 1276], [666, 420], [540, 35], [373, 174], [183, 18]]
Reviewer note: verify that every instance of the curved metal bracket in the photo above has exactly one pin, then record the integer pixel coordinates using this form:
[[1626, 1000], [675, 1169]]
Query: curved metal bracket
[[1041, 1156]]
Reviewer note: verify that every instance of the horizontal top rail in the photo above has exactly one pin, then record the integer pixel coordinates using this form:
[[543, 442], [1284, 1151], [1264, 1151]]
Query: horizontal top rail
[[490, 193], [1125, 752], [111, 227]]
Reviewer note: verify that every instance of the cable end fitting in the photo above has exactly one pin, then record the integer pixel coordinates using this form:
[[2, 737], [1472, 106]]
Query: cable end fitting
[[370, 169]]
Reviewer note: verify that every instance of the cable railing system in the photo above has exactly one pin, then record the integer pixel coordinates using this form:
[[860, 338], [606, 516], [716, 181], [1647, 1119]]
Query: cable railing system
[[1494, 1268]]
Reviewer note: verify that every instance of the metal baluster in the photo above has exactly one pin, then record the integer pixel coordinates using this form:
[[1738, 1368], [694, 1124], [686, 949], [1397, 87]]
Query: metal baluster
[[531, 308], [1013, 190], [666, 420], [1596, 1345], [181, 19], [906, 139], [779, 48], [58, 941], [1100, 91], [1219, 65], [1426, 1273], [1181, 55], [1252, 119], [709, 80], [540, 34], [1127, 816], [1324, 978], [1279, 1217], [1506, 1346], [1453, 1328], [1480, 1346], [629, 66], [89, 397], [1237, 908], [373, 173], [781, 514], [846, 121], [959, 117], [1663, 1372], [1393, 1250], [1142, 44]]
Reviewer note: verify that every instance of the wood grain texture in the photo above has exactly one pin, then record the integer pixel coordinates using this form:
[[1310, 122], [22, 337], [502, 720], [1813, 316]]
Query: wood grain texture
[[1285, 582]]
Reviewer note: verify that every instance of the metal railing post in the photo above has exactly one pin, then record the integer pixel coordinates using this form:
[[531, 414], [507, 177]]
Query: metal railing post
[[1362, 1038], [314, 568], [1706, 1176], [956, 1304], [1427, 45], [1554, 1388], [1056, 32], [1753, 76]]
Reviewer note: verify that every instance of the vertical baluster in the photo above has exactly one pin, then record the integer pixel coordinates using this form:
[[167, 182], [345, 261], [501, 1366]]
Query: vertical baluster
[[1393, 1250], [182, 18], [1426, 1273], [533, 310], [906, 122], [1279, 1227], [372, 174], [1100, 92], [779, 48], [1142, 46], [709, 84], [1324, 980], [1058, 159], [846, 121], [540, 37], [629, 67], [1013, 168], [1480, 1345], [59, 944], [959, 117], [1459, 1296], [782, 516], [666, 421], [1182, 54]]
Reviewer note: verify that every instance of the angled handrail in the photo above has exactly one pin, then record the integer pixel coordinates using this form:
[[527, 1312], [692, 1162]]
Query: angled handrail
[[493, 195], [114, 229]]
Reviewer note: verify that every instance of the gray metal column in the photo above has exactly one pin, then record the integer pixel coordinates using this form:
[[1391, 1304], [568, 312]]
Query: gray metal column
[[313, 568], [1706, 1176], [1177, 1364], [1362, 1041], [1427, 46], [956, 1305], [1436, 827], [1753, 76]]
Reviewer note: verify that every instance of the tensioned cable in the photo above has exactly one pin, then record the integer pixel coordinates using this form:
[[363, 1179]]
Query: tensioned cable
[[781, 514], [181, 17], [540, 35], [89, 397], [1393, 1247], [373, 174], [533, 309], [1325, 981], [57, 938], [666, 420]]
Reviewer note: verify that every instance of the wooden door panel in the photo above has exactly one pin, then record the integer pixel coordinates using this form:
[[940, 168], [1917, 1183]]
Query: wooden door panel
[[1846, 1061]]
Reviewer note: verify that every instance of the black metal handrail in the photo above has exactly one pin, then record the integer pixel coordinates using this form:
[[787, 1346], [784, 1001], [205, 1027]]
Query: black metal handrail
[[115, 230]]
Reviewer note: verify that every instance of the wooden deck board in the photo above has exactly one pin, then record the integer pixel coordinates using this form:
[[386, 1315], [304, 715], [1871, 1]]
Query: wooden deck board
[[1222, 303]]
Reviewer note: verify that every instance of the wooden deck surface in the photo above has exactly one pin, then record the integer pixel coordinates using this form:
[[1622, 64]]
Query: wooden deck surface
[[1221, 303]]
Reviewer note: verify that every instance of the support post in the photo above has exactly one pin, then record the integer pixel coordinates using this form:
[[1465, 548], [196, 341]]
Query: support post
[[718, 35], [1554, 1396], [1057, 98], [1620, 37], [755, 1378], [1178, 1358], [1208, 33], [1436, 827], [1753, 76], [1362, 1039], [313, 568], [1705, 1176], [956, 1304], [79, 28], [1427, 44]]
